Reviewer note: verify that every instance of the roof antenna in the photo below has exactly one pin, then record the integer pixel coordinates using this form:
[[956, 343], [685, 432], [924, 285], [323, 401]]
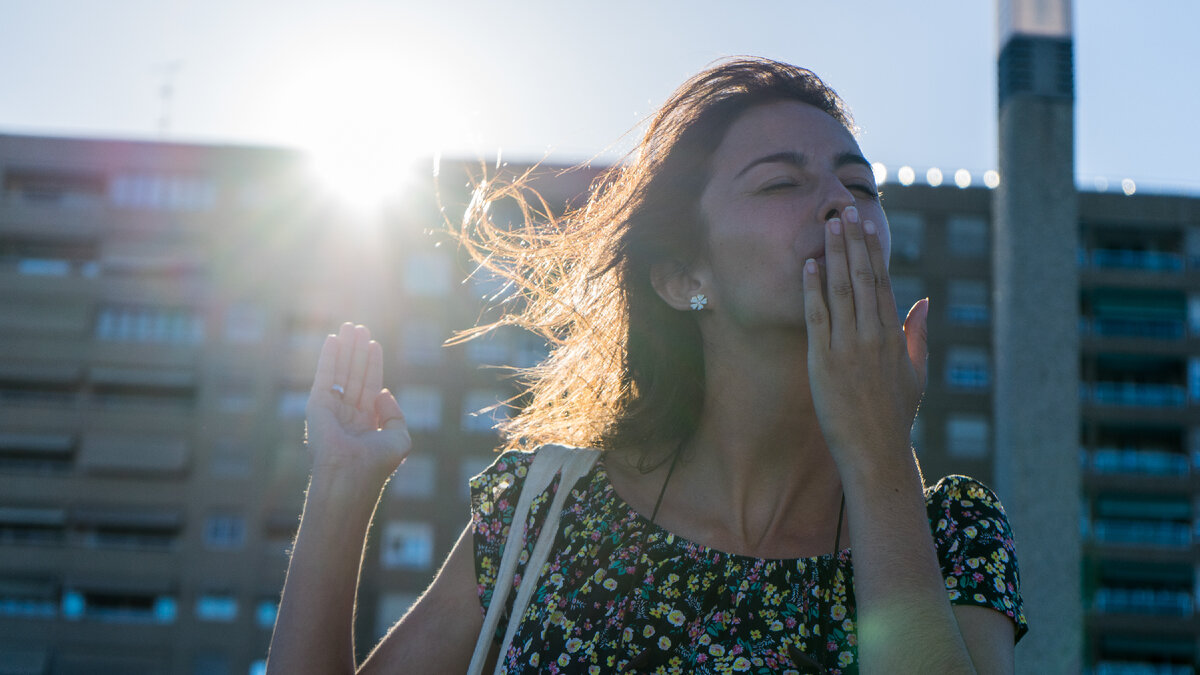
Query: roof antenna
[[166, 91]]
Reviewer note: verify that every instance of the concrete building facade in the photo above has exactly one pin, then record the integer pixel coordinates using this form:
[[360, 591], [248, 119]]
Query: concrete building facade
[[161, 307]]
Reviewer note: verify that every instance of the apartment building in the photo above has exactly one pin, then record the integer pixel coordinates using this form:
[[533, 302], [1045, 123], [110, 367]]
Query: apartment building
[[161, 307]]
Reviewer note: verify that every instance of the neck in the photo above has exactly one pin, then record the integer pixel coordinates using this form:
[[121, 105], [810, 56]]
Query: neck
[[758, 460]]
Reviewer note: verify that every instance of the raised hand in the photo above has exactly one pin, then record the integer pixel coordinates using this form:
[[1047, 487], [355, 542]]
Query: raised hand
[[352, 421], [867, 373]]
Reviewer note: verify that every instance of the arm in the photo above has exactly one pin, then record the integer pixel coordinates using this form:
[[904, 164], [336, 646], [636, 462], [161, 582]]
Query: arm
[[867, 375], [357, 439]]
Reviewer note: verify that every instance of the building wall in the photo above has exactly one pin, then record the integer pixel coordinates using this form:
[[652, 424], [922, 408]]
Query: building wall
[[161, 307]]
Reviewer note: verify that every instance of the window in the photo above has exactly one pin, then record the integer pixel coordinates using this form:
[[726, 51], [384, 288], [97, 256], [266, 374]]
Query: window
[[28, 598], [407, 545], [162, 192], [421, 342], [908, 233], [211, 663], [483, 410], [28, 525], [969, 303], [392, 607], [968, 236], [32, 452], [492, 349], [68, 189], [422, 408], [968, 435], [236, 396], [115, 387], [112, 606], [156, 325], [530, 350], [265, 612], [225, 532], [245, 323], [217, 607], [416, 477], [968, 368], [908, 290], [292, 403], [140, 528], [230, 458], [1194, 379], [427, 274], [48, 258]]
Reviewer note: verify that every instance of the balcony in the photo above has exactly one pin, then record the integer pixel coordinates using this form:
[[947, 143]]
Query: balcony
[[1122, 327], [1164, 534], [1110, 460], [1135, 394], [1108, 667], [1131, 259], [1156, 601]]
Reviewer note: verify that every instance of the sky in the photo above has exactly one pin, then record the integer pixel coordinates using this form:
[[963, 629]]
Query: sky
[[370, 85]]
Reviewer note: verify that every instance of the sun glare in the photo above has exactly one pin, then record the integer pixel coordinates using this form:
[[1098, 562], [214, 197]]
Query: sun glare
[[363, 116]]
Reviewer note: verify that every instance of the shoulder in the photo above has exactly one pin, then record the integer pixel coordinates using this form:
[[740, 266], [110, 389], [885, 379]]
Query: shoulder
[[957, 502], [962, 491], [975, 547], [496, 490]]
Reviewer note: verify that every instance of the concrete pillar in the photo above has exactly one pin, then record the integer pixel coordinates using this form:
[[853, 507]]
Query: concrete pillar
[[1035, 328]]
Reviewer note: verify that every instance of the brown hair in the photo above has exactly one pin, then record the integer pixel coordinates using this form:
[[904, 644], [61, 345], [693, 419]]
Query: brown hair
[[625, 370]]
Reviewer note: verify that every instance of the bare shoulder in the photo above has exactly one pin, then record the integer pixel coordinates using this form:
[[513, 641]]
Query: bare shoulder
[[438, 634]]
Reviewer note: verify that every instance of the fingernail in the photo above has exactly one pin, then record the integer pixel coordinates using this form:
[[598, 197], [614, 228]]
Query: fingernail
[[835, 225], [851, 214], [810, 266], [869, 227]]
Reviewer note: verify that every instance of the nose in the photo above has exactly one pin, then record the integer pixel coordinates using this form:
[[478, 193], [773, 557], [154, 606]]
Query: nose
[[834, 199]]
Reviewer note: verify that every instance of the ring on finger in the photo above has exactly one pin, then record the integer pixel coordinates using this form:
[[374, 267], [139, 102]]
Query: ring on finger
[[338, 389]]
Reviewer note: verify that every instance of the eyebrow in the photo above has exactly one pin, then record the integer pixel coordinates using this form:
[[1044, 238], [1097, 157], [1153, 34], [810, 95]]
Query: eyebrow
[[799, 160]]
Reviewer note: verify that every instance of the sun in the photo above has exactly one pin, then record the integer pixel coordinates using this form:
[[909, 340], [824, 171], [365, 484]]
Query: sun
[[363, 115]]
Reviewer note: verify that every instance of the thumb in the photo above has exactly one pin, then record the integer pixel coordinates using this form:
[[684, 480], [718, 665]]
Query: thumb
[[388, 411], [916, 335]]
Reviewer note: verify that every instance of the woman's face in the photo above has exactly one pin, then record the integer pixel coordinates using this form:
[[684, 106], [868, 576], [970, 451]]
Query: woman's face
[[782, 170]]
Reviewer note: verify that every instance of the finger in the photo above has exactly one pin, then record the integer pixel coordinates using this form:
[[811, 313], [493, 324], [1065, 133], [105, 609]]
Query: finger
[[326, 363], [345, 339], [862, 276], [916, 337], [889, 317], [358, 366], [837, 276], [374, 380], [816, 315]]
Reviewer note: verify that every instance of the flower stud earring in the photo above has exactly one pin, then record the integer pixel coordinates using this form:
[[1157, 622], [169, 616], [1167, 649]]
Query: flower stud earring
[[699, 301]]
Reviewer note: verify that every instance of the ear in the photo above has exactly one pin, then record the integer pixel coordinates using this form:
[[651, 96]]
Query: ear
[[676, 283]]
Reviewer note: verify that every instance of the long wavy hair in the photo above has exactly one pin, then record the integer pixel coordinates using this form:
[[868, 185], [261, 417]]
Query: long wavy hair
[[625, 370]]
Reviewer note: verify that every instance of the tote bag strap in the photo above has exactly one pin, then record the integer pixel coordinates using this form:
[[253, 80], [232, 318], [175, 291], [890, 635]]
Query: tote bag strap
[[574, 463]]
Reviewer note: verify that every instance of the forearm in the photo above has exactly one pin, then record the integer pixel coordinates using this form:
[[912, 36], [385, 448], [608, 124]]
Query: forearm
[[314, 628], [905, 620]]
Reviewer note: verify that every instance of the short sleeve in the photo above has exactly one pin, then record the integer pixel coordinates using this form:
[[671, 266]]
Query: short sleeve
[[975, 547]]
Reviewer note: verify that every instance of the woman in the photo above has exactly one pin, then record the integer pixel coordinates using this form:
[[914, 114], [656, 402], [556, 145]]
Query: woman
[[725, 332]]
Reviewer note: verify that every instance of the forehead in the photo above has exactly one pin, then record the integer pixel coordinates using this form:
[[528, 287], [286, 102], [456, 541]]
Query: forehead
[[783, 126]]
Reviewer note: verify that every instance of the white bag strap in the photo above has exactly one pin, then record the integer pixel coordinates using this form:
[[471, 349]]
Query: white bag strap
[[574, 463]]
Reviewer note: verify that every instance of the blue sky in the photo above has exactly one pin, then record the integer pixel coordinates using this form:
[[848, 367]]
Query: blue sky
[[568, 79]]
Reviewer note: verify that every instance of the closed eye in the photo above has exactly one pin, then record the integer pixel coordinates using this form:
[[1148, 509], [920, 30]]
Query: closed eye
[[778, 187], [864, 189]]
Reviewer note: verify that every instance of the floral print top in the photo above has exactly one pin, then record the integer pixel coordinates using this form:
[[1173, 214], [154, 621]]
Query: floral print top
[[621, 595]]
